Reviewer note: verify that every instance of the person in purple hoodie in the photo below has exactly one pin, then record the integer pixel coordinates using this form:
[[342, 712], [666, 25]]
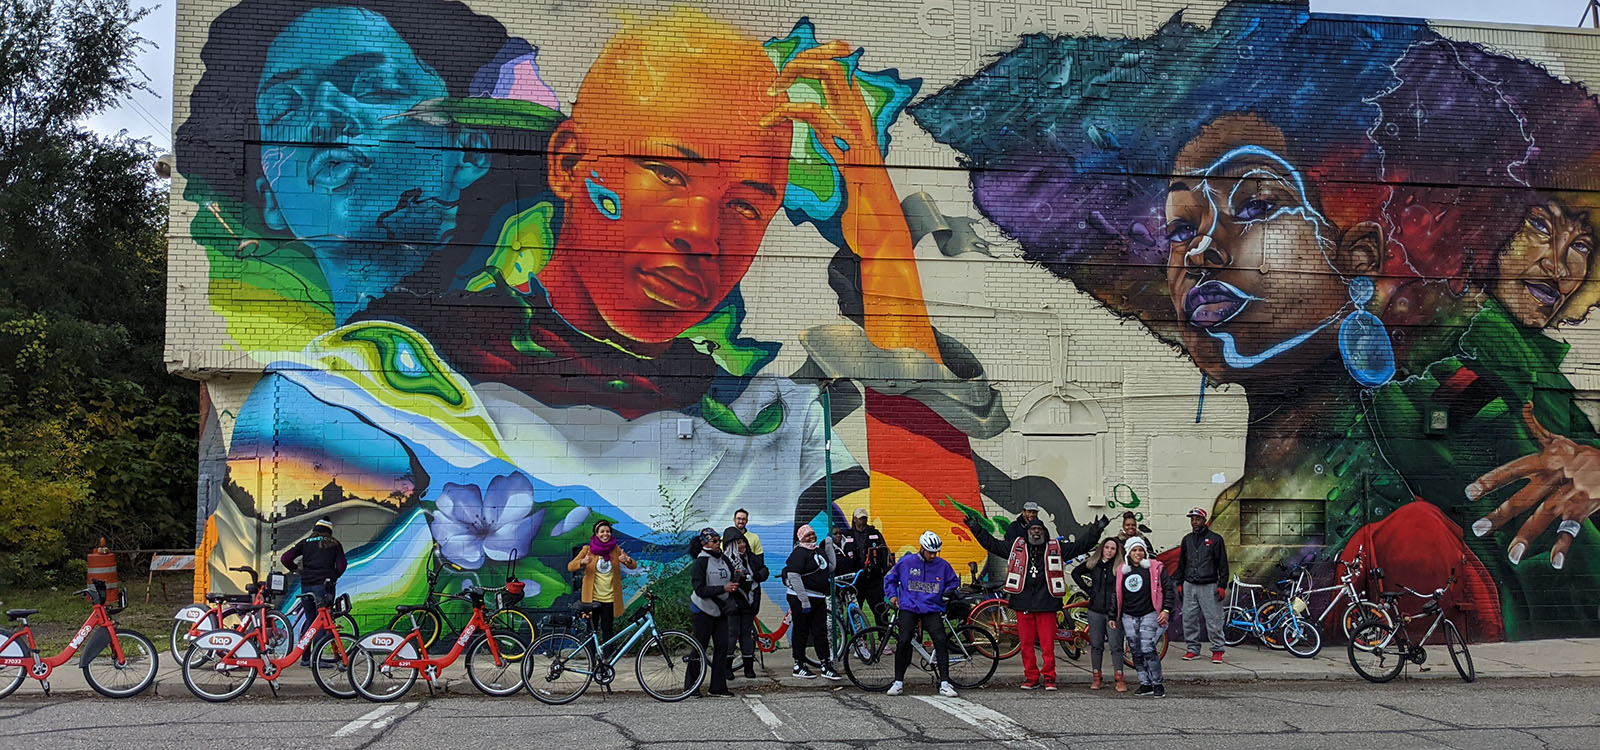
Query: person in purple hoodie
[[917, 586]]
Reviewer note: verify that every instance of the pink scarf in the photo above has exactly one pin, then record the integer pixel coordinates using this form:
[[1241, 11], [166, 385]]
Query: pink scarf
[[602, 548], [800, 533]]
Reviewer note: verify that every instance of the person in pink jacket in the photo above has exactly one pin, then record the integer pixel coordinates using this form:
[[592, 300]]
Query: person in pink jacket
[[1144, 601]]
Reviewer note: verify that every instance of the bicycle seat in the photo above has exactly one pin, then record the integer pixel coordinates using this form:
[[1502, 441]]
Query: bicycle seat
[[989, 587], [583, 607], [405, 608], [1390, 596], [252, 608], [17, 614]]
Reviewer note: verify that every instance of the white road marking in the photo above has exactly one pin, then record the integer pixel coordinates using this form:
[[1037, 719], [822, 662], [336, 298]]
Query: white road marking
[[985, 719], [361, 723], [377, 726], [764, 714]]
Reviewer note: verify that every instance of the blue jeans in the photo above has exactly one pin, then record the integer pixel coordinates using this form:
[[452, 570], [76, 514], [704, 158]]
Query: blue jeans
[[1143, 633]]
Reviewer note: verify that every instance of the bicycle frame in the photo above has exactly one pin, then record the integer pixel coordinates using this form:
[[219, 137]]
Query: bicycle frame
[[767, 640], [251, 650], [429, 666], [39, 666], [646, 626], [930, 659]]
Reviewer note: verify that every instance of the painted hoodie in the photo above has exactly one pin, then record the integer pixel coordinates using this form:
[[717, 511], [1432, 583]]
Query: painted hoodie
[[921, 585]]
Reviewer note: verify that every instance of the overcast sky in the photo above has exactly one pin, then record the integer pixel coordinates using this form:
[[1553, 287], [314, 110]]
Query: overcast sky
[[149, 115]]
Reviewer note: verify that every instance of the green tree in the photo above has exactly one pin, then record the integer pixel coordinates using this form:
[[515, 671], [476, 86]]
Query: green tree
[[96, 439]]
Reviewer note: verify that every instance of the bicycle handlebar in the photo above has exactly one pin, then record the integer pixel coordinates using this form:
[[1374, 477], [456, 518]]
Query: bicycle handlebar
[[254, 577]]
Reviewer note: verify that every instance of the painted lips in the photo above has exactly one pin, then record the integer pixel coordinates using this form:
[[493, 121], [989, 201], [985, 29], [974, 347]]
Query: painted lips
[[335, 168], [1213, 303], [674, 287], [1546, 293]]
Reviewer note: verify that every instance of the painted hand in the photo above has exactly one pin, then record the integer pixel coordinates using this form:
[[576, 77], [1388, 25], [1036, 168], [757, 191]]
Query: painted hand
[[843, 125], [1564, 483]]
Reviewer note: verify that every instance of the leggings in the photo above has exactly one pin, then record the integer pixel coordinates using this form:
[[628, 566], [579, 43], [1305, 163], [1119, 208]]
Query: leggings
[[743, 623], [712, 633], [604, 621], [809, 627], [1100, 637]]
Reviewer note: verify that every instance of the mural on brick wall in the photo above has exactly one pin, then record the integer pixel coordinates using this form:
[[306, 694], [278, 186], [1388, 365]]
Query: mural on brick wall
[[1377, 232], [487, 319]]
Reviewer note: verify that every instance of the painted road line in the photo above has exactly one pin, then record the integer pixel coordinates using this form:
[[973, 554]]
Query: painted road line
[[378, 725], [987, 720], [359, 724], [765, 715]]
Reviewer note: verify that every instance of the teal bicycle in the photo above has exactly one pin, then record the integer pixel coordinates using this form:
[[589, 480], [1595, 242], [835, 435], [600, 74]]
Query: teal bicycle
[[1278, 623], [668, 663]]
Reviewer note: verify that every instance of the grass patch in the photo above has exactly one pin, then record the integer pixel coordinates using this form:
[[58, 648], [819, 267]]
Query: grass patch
[[61, 612]]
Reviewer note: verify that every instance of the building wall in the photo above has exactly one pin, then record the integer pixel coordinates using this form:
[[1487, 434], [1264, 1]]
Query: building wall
[[449, 274]]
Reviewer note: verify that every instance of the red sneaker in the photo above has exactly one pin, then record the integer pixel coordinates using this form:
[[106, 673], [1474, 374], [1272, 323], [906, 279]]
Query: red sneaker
[[1216, 657], [1190, 656], [1030, 685]]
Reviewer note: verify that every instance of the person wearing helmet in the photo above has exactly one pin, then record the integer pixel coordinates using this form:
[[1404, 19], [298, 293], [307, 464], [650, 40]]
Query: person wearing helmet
[[917, 586], [319, 559]]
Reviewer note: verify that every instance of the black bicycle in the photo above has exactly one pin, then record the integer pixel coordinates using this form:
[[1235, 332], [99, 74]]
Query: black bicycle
[[1379, 651], [430, 619]]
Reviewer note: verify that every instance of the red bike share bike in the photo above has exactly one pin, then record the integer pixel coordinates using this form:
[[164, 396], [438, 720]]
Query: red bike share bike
[[116, 663]]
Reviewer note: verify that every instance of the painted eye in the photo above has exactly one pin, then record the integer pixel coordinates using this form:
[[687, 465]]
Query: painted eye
[[666, 174], [1582, 246], [1254, 209], [1539, 224], [745, 209], [377, 86], [1179, 232]]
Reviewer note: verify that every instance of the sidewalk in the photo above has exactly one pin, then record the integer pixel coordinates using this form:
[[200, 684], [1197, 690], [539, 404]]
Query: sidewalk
[[1568, 657]]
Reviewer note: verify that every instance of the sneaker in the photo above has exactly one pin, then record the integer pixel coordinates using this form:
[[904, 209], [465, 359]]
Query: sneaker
[[1049, 687], [1160, 691], [1190, 655], [1216, 657], [947, 690], [1143, 691], [828, 672], [1030, 685], [738, 662], [803, 673], [897, 688]]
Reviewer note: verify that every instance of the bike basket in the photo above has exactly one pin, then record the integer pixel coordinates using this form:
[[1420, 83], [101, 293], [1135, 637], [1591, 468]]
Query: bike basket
[[1299, 605], [341, 605], [277, 583], [558, 622], [959, 609], [116, 600], [506, 599]]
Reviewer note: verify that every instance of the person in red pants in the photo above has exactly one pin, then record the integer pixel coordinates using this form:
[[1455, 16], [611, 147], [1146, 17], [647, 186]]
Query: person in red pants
[[1036, 579]]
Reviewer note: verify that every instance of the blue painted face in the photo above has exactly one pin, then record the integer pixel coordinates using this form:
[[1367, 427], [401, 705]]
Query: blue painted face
[[340, 162]]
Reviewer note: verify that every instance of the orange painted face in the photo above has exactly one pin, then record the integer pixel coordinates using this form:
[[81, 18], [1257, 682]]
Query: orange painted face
[[668, 189]]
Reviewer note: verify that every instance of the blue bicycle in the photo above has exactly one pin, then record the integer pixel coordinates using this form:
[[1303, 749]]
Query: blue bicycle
[[560, 666], [1278, 623]]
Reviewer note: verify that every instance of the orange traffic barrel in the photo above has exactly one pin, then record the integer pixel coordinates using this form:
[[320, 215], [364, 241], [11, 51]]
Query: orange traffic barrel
[[103, 566]]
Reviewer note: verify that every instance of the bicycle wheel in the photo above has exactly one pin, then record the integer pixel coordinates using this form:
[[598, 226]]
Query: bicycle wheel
[[1375, 663], [517, 624], [1301, 637], [329, 670], [558, 668], [1457, 646], [11, 677], [664, 666], [280, 634], [1359, 611], [500, 676], [205, 676], [1270, 616], [347, 626], [376, 682], [868, 661], [1001, 622], [129, 678], [1235, 625], [425, 620], [178, 640], [972, 660]]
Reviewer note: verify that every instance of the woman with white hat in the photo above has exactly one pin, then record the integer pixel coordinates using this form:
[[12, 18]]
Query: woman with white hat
[[1144, 601]]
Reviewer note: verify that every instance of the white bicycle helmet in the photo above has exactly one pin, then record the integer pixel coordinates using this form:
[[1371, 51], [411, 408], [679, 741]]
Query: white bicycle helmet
[[930, 541]]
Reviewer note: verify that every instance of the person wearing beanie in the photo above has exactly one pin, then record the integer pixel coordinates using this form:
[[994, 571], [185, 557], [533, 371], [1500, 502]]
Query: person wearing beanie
[[750, 570], [319, 559], [1036, 579], [713, 585], [1144, 605], [1097, 576], [805, 577], [602, 561], [862, 547], [1202, 585]]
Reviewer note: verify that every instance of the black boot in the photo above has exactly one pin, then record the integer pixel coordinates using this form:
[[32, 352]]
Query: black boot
[[749, 666]]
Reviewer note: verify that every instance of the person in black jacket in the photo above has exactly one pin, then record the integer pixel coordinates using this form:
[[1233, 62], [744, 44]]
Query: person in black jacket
[[714, 583], [1202, 585], [1097, 576], [1018, 527], [1036, 579], [805, 576], [862, 547], [751, 570], [319, 559]]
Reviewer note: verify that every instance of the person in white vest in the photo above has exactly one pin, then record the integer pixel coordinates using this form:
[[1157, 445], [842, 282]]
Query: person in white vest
[[1036, 579]]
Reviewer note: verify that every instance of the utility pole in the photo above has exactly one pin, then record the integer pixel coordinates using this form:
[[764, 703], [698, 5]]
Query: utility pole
[[1591, 14]]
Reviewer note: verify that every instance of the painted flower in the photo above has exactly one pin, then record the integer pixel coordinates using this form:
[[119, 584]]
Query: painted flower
[[471, 525]]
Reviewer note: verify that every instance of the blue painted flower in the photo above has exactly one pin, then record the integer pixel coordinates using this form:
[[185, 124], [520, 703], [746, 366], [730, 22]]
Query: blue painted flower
[[471, 525]]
